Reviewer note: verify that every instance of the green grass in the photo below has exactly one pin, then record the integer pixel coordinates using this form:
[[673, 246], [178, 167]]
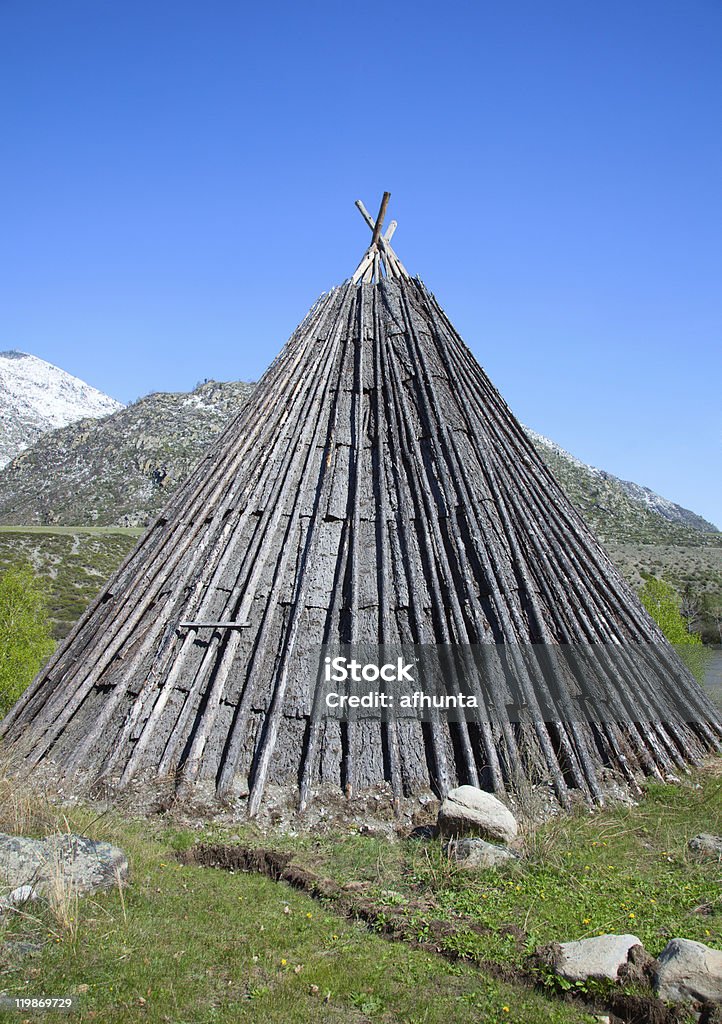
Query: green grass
[[616, 870], [619, 870], [190, 944]]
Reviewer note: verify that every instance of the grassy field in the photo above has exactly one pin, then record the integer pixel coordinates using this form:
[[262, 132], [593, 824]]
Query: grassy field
[[74, 561], [72, 531], [189, 945], [701, 567]]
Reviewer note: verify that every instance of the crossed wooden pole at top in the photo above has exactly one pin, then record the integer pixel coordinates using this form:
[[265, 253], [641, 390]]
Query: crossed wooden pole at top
[[379, 254]]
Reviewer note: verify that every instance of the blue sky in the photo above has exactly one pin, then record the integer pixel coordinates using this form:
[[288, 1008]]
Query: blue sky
[[178, 180]]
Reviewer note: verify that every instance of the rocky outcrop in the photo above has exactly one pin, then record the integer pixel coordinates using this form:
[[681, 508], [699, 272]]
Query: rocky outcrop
[[76, 862], [23, 894], [706, 845]]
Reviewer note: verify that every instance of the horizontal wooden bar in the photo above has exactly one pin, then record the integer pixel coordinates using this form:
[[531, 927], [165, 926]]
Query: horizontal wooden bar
[[213, 625]]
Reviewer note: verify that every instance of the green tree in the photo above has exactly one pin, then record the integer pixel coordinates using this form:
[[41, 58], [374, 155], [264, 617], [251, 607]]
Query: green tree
[[664, 604], [25, 637]]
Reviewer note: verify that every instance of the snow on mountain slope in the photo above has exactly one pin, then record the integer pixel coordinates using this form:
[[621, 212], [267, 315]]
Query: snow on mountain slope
[[36, 396], [595, 490]]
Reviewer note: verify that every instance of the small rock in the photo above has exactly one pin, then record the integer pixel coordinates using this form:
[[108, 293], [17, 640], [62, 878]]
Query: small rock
[[423, 832], [706, 845], [21, 949], [599, 957], [471, 810], [689, 970], [477, 853], [81, 863], [17, 897], [356, 886]]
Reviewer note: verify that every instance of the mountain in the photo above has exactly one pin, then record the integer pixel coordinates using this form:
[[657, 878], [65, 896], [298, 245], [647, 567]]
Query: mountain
[[119, 470], [620, 510], [36, 396]]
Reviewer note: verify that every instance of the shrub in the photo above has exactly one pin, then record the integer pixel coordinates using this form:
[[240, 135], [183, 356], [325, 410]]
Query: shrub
[[664, 605], [25, 637]]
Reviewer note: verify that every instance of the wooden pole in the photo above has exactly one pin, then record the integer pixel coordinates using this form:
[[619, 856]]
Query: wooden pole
[[365, 214], [380, 219]]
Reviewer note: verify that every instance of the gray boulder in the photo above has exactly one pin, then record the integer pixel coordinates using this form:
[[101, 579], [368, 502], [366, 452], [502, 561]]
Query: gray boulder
[[470, 810], [706, 845], [477, 853], [598, 957], [689, 970], [69, 860]]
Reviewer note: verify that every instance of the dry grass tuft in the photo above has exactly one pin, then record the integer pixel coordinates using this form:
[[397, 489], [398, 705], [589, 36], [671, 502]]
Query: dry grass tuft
[[713, 766], [25, 806], [63, 899]]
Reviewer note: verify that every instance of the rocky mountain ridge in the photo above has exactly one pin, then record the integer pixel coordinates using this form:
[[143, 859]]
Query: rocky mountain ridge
[[119, 470], [621, 510], [36, 397]]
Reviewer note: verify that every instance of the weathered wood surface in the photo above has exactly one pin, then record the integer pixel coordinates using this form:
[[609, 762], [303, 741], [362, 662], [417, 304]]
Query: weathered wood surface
[[376, 488]]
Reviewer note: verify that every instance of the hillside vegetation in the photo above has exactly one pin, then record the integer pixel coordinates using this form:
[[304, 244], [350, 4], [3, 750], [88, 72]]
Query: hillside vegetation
[[75, 562], [119, 471]]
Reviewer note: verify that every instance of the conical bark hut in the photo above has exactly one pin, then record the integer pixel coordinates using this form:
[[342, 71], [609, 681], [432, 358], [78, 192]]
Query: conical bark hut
[[375, 489]]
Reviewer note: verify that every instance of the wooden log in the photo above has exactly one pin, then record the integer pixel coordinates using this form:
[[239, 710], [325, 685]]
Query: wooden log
[[365, 214], [378, 226]]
